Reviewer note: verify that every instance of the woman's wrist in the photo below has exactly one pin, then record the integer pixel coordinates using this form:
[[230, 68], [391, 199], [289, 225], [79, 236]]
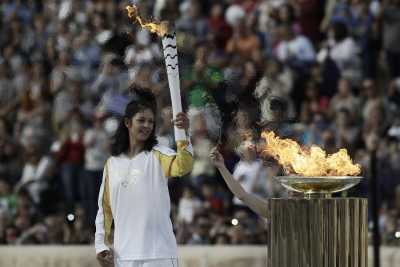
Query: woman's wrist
[[221, 167]]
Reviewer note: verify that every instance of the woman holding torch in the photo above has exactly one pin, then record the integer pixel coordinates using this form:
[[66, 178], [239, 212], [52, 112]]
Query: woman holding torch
[[134, 191]]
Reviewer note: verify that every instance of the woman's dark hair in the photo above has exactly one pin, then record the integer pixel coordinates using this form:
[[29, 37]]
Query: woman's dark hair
[[340, 31], [291, 14], [141, 99]]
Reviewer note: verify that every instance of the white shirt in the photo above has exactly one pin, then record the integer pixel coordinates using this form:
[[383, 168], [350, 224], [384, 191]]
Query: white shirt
[[345, 53], [300, 47], [187, 208], [135, 193], [96, 149], [34, 174], [247, 173]]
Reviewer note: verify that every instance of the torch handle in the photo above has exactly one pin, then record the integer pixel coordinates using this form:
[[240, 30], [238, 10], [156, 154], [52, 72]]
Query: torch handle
[[171, 62]]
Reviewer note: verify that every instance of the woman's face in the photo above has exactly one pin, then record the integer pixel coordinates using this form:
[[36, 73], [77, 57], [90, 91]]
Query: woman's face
[[284, 13], [216, 11], [141, 125], [243, 119], [311, 91], [249, 152], [344, 87]]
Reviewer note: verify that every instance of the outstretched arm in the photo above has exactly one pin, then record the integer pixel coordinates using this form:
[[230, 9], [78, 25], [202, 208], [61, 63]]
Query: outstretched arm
[[255, 203]]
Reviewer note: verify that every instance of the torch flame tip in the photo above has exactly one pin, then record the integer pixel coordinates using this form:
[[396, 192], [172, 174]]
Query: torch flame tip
[[159, 28]]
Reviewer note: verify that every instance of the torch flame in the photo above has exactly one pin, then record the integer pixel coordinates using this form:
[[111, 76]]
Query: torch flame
[[160, 28], [308, 162]]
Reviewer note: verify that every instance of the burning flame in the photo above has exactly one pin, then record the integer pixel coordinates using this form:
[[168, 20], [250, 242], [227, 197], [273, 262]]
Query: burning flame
[[160, 28], [308, 162]]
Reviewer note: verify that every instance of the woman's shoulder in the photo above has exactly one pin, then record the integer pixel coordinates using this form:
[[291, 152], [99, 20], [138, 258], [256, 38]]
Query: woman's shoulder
[[114, 159], [164, 150]]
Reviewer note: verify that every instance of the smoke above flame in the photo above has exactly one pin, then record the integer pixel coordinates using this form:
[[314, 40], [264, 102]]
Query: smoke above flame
[[308, 162], [159, 28]]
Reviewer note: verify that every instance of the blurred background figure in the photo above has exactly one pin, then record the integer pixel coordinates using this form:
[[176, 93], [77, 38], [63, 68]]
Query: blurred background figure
[[96, 143]]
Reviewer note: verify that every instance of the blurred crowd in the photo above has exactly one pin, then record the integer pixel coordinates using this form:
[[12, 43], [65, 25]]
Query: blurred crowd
[[324, 72]]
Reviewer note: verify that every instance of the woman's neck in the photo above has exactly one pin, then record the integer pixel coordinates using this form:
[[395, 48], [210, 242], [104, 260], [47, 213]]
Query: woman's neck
[[135, 148]]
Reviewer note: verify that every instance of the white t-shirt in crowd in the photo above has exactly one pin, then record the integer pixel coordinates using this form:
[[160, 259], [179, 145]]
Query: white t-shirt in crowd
[[247, 173], [299, 48], [32, 175], [345, 53], [96, 152], [187, 208]]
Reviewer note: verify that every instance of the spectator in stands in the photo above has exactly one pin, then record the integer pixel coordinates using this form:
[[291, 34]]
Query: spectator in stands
[[347, 133], [344, 99], [295, 50], [243, 41], [96, 142], [188, 206], [35, 174], [277, 81], [165, 131], [343, 50], [390, 13], [200, 234], [71, 158], [313, 102], [192, 20]]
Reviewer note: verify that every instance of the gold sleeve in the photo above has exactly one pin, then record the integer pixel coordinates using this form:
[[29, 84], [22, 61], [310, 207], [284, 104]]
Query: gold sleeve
[[106, 207], [179, 164]]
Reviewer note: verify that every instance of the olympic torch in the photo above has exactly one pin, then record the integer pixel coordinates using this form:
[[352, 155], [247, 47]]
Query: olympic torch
[[171, 62]]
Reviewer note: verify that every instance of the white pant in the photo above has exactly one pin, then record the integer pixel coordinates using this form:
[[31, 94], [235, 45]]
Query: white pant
[[148, 263]]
